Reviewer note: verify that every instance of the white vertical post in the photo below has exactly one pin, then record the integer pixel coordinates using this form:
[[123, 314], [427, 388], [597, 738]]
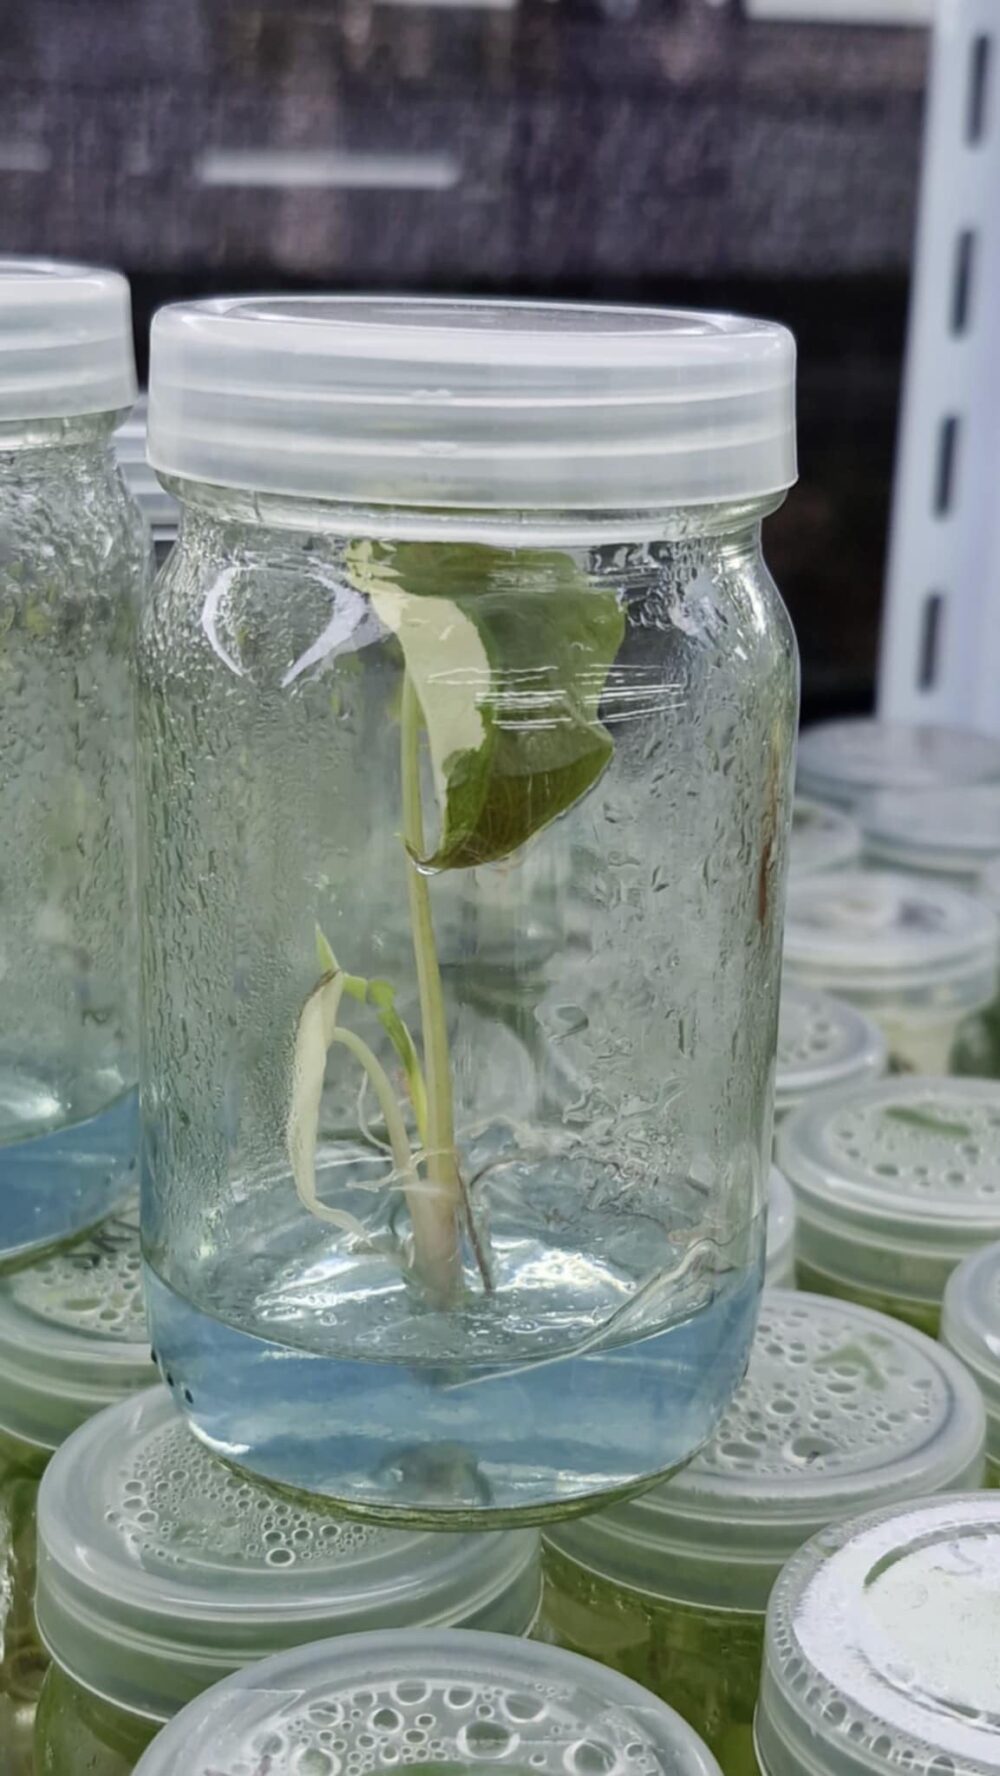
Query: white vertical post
[[940, 656]]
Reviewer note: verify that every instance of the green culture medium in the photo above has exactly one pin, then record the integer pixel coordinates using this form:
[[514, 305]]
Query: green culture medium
[[162, 1571], [841, 1407]]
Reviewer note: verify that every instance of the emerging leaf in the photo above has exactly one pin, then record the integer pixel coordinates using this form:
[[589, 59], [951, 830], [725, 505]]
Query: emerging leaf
[[509, 653]]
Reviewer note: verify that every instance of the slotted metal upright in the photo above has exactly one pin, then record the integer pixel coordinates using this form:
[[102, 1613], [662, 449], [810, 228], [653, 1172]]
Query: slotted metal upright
[[940, 654]]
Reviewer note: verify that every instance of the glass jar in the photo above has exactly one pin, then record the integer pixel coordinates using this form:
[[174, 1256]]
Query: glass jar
[[158, 507], [822, 838], [161, 1570], [970, 1326], [457, 1074], [779, 1263], [882, 1646], [918, 957], [824, 1045], [894, 1185], [841, 1407], [73, 562], [454, 1700], [72, 1339], [951, 835], [845, 761]]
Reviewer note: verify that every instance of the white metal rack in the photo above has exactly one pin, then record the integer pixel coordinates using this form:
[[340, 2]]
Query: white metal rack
[[940, 657]]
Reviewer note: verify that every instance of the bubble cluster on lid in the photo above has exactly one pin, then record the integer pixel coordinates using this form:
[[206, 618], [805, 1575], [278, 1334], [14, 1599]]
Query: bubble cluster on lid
[[176, 1503], [831, 1390], [931, 1140], [382, 1726], [94, 1288]]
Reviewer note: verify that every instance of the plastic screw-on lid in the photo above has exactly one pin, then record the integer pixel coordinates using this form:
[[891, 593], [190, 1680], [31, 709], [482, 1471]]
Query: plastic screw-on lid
[[779, 1268], [841, 761], [161, 1570], [868, 932], [883, 1647], [895, 1182], [953, 831], [158, 506], [73, 1335], [472, 403], [841, 1407], [65, 340], [823, 1045], [970, 1326], [822, 838], [376, 1702]]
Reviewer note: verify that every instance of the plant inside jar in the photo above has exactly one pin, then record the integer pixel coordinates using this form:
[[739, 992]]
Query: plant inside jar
[[505, 655]]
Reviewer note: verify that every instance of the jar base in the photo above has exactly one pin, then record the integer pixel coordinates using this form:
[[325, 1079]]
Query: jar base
[[445, 1448]]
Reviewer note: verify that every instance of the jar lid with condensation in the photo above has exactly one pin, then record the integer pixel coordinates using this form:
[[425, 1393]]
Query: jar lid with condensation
[[841, 1408], [65, 340], [468, 1701], [159, 507], [883, 1649], [842, 761], [954, 831], [824, 1045], [161, 1570], [73, 1335], [779, 1264], [822, 838], [970, 1326], [484, 404], [896, 1182], [871, 932]]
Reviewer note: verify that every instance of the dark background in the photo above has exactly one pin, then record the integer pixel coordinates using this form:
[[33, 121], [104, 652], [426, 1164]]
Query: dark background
[[641, 150]]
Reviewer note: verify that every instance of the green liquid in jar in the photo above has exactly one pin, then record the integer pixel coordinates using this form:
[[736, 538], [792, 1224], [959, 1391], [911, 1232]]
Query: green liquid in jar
[[925, 1316], [76, 1731], [22, 1659], [705, 1663]]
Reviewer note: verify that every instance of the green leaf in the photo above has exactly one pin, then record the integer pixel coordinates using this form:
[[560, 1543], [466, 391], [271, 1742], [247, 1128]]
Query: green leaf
[[509, 652]]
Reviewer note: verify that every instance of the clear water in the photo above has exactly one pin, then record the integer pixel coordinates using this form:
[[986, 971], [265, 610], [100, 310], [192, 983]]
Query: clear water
[[68, 1156], [531, 1403]]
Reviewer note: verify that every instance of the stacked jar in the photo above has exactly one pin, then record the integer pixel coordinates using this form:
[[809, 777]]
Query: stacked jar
[[841, 1408], [457, 1073], [844, 762], [970, 1326], [824, 1045], [894, 1184], [882, 1648], [161, 1570], [72, 1340], [74, 560]]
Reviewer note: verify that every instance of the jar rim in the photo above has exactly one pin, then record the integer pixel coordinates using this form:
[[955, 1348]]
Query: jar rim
[[65, 341], [429, 402]]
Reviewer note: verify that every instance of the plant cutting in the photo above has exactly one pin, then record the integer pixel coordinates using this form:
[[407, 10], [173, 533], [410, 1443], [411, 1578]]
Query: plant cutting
[[505, 659]]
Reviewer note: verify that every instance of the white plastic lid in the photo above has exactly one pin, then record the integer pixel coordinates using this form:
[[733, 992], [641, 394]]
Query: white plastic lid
[[823, 1045], [161, 1570], [822, 838], [896, 1182], [73, 1335], [779, 1264], [65, 340], [159, 507], [863, 932], [841, 761], [970, 1326], [420, 401], [376, 1702], [954, 831], [883, 1647], [841, 1408]]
